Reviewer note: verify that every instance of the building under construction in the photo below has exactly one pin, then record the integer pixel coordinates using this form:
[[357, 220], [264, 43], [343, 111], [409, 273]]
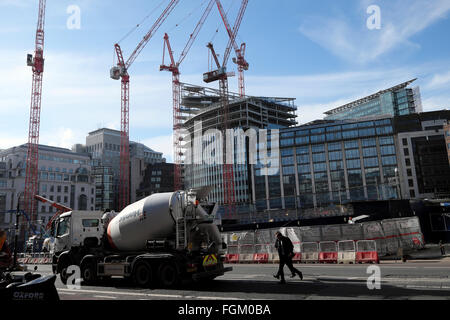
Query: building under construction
[[202, 113]]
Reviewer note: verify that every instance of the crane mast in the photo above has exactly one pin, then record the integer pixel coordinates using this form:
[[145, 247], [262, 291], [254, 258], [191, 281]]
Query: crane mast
[[240, 52], [37, 64], [121, 72], [174, 67]]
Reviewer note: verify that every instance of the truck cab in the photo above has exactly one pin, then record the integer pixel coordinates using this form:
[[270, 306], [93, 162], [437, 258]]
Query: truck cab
[[78, 228]]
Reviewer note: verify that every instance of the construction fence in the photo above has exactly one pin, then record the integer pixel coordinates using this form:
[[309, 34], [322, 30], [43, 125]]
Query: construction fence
[[346, 243]]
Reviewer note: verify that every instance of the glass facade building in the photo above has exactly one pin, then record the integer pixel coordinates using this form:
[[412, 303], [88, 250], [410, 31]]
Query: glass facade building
[[395, 101], [331, 162]]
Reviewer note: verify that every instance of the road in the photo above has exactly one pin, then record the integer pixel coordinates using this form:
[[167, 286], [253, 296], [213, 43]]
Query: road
[[412, 280]]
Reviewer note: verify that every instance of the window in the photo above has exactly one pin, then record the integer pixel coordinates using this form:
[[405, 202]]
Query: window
[[63, 226], [289, 170], [409, 172], [58, 188], [370, 152], [353, 164], [350, 134], [390, 160], [337, 155], [411, 183], [66, 189], [385, 150], [318, 148], [408, 162], [303, 150], [369, 142], [406, 151], [319, 157], [412, 193], [352, 154], [90, 223], [303, 159], [334, 146], [318, 167], [52, 189], [370, 162], [351, 144], [304, 169], [287, 160], [316, 139], [386, 140], [336, 165], [405, 141]]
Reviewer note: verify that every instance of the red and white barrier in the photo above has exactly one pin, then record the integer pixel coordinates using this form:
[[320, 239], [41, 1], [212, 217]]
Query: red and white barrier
[[232, 258], [261, 258], [328, 252], [346, 251], [309, 252], [366, 252]]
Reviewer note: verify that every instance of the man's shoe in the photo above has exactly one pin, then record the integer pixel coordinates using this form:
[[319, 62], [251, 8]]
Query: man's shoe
[[276, 276], [282, 282], [293, 275], [300, 275]]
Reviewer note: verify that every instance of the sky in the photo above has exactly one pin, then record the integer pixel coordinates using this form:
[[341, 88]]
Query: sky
[[323, 53]]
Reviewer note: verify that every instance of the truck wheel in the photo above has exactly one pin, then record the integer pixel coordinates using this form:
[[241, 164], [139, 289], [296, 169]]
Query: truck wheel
[[168, 275], [88, 273], [142, 274]]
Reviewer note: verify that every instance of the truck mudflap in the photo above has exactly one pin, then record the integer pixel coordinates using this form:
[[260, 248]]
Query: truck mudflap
[[211, 274]]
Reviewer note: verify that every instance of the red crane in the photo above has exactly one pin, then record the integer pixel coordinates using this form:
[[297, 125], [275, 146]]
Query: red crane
[[59, 207], [240, 52], [37, 64], [174, 67], [222, 75], [121, 72]]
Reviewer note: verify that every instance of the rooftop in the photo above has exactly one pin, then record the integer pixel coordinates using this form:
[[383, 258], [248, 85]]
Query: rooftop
[[369, 98]]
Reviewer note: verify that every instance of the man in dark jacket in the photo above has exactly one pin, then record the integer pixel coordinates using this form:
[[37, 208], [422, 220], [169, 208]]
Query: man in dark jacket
[[286, 253]]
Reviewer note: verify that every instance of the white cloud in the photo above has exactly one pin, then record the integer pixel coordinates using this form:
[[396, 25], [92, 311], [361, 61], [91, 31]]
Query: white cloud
[[161, 144], [355, 43]]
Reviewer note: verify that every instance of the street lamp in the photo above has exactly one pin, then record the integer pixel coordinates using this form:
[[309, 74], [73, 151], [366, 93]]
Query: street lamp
[[16, 233]]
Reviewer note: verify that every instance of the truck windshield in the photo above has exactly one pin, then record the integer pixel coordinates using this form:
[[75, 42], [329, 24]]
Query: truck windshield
[[63, 226]]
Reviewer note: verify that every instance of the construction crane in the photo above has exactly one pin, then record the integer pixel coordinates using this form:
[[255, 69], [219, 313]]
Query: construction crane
[[121, 72], [37, 64], [221, 75], [174, 67], [240, 52], [60, 209]]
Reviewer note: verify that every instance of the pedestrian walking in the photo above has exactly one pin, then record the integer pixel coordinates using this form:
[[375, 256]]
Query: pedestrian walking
[[442, 247], [286, 253]]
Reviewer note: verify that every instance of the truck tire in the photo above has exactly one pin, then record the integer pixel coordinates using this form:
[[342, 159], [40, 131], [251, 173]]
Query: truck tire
[[88, 273], [142, 274], [168, 275]]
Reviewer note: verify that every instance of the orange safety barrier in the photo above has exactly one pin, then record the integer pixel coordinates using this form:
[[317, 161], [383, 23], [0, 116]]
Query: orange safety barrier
[[367, 257], [261, 258], [232, 258], [328, 257]]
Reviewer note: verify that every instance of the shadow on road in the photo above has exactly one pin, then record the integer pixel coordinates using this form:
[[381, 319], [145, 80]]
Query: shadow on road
[[339, 289]]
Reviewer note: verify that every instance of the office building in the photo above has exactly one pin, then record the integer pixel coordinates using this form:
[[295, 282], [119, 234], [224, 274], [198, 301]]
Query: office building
[[64, 177], [396, 101], [158, 178], [104, 146], [202, 112]]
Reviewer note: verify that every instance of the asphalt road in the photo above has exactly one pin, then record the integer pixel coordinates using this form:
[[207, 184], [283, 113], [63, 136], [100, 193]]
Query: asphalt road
[[412, 280]]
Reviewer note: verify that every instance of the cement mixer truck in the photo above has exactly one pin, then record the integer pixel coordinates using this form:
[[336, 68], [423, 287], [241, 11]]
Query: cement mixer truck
[[162, 240]]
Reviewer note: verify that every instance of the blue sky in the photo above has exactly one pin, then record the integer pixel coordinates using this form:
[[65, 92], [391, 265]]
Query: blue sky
[[319, 52]]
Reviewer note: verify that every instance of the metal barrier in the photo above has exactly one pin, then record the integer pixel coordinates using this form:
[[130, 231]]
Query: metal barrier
[[328, 252], [366, 252], [310, 252], [346, 251]]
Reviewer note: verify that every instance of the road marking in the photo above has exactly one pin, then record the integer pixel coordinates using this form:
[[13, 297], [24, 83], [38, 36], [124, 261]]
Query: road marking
[[155, 295]]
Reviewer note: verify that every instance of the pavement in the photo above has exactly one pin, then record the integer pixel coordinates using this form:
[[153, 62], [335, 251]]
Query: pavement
[[411, 280]]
